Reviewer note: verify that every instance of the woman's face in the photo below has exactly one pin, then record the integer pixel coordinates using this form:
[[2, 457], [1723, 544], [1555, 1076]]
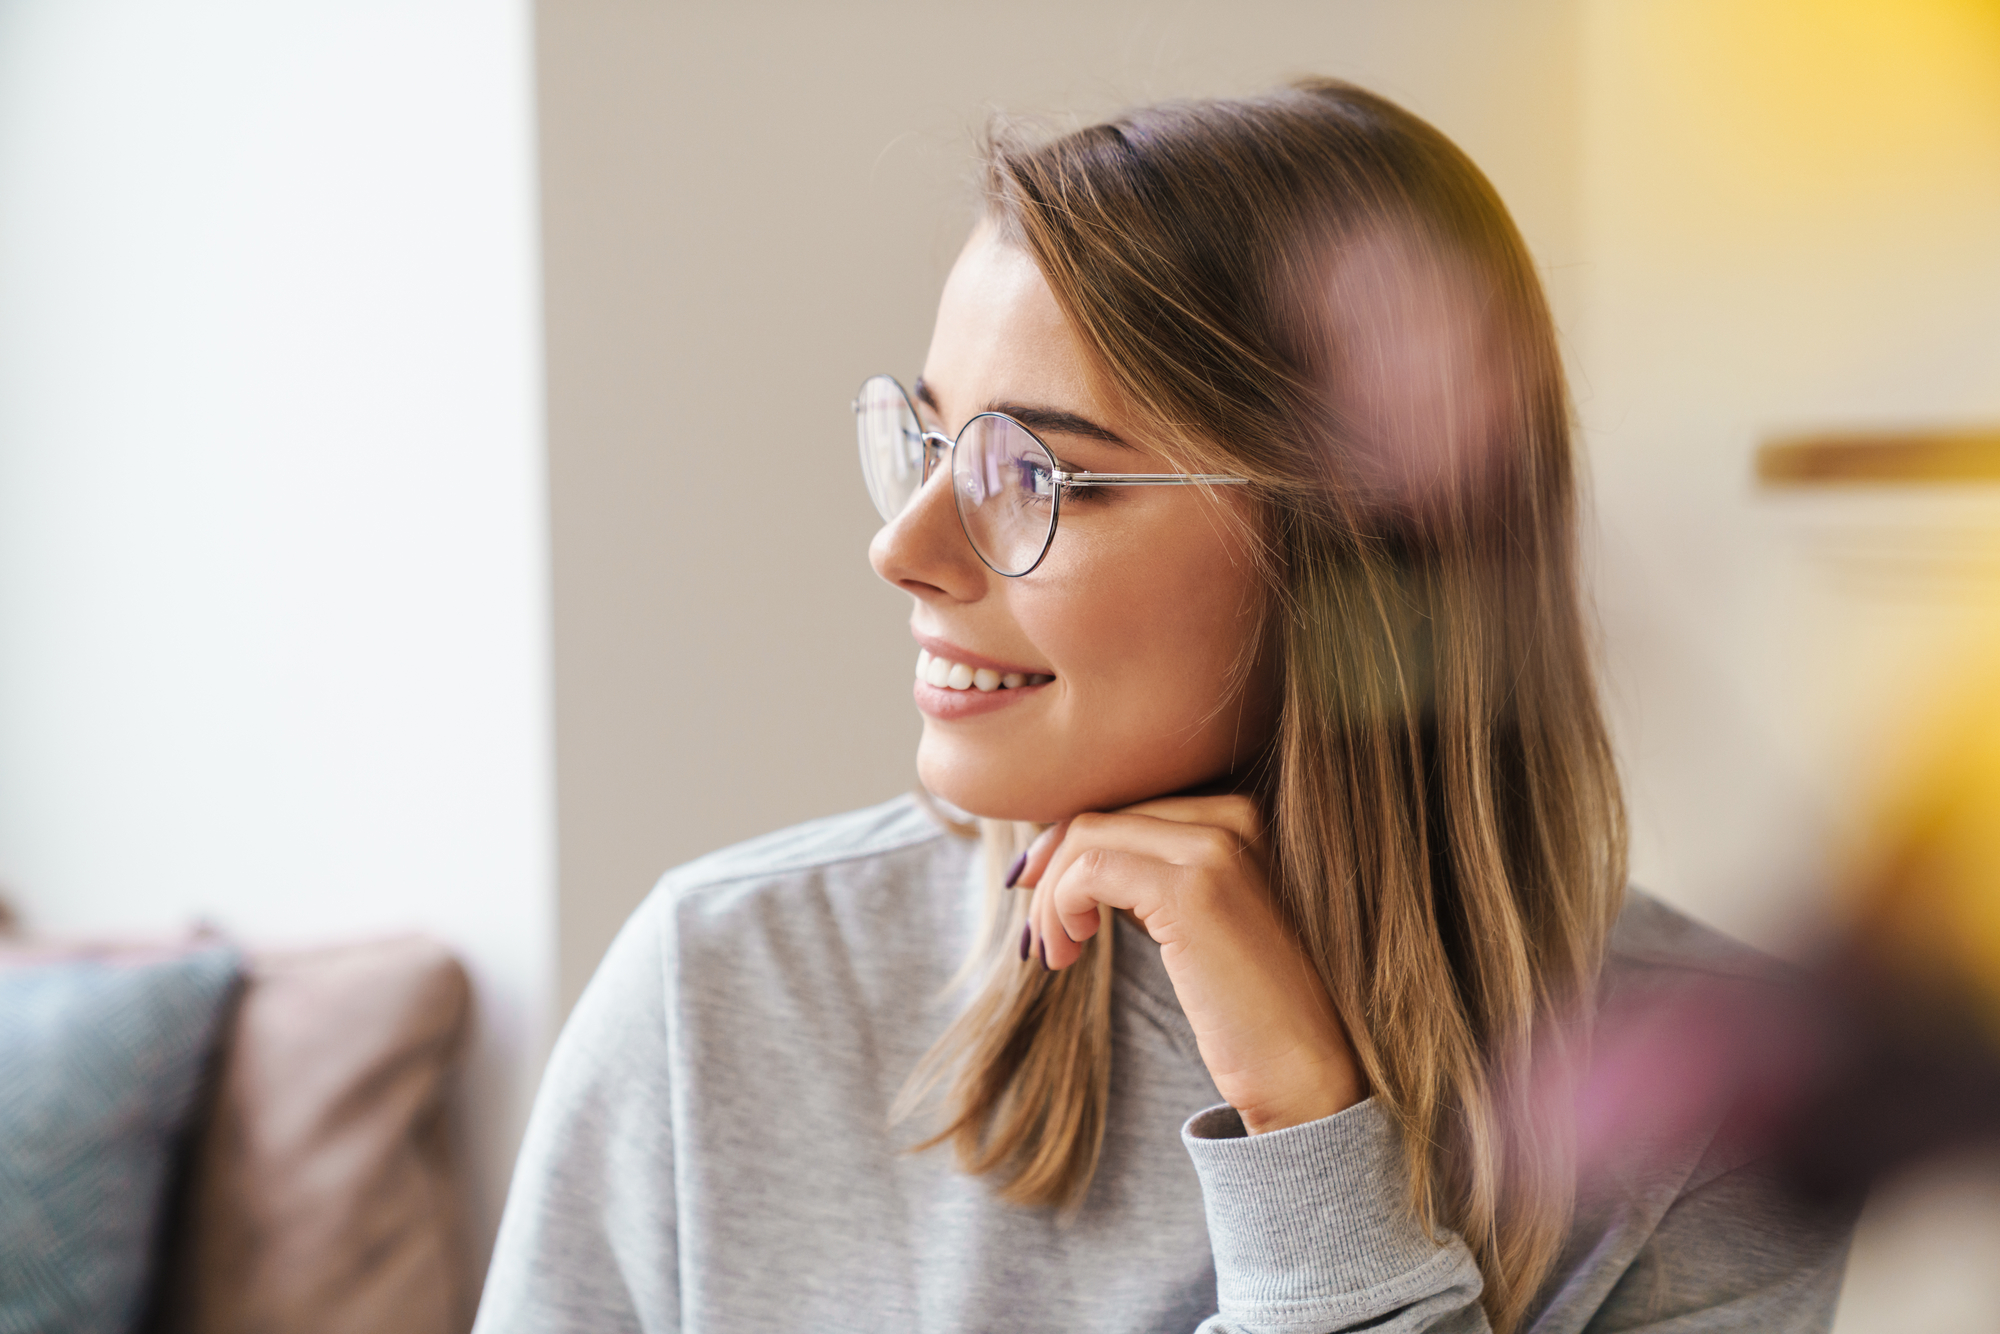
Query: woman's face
[[1138, 613]]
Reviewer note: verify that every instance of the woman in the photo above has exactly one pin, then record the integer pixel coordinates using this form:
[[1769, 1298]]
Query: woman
[[1235, 505]]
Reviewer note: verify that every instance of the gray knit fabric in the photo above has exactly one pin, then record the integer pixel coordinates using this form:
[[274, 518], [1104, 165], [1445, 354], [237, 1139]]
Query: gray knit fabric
[[710, 1150]]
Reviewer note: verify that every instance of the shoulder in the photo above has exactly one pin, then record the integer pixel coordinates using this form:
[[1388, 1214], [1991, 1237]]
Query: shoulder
[[1681, 1011], [1677, 1219], [1651, 938], [866, 835], [888, 877], [1675, 991]]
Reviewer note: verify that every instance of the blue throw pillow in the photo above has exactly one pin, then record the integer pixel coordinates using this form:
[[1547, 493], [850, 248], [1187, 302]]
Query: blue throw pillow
[[101, 1068]]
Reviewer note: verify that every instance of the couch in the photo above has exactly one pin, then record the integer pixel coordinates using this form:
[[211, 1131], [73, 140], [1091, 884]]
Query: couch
[[197, 1138]]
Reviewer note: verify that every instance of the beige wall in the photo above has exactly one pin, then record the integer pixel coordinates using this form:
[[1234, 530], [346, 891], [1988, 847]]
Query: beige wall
[[1755, 216], [746, 209]]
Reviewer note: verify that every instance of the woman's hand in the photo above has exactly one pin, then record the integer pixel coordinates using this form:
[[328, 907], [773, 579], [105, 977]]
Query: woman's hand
[[1193, 871]]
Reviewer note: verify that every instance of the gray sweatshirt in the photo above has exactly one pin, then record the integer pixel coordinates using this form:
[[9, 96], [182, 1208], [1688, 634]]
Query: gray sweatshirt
[[711, 1150]]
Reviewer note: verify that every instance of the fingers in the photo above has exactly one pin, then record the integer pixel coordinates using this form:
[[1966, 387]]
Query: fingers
[[1135, 862], [1034, 862], [1068, 910], [1126, 859], [1237, 814], [1036, 859], [1193, 871], [1179, 842]]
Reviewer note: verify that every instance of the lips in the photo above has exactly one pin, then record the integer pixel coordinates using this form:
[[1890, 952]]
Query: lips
[[955, 683]]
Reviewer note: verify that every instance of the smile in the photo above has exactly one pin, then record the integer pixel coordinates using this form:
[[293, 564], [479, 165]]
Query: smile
[[948, 675]]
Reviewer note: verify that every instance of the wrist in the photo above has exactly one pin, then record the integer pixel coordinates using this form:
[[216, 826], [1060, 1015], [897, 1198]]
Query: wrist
[[1323, 1099]]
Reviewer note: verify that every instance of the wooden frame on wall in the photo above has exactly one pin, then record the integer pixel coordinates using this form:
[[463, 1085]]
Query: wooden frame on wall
[[1883, 458]]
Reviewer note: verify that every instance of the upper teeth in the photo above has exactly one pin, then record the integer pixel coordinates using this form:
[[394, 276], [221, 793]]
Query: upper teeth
[[951, 675]]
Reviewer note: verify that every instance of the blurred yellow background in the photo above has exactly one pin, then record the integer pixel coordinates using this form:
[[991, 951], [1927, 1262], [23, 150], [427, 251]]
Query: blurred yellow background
[[1790, 211]]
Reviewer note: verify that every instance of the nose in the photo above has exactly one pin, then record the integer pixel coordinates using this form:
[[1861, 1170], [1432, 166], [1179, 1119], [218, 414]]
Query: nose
[[924, 552]]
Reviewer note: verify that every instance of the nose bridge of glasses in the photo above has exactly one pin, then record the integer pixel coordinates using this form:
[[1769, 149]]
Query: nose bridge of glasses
[[935, 446]]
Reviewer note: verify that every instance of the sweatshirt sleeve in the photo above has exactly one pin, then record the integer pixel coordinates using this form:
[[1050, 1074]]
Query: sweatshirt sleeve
[[1311, 1232], [587, 1240]]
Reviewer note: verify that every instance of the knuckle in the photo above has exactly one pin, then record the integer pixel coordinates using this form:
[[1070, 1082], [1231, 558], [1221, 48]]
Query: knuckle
[[1201, 894], [1217, 845], [1245, 815], [1087, 822], [1095, 863]]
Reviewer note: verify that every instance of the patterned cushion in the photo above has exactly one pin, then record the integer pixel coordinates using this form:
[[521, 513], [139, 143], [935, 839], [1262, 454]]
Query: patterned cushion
[[101, 1069]]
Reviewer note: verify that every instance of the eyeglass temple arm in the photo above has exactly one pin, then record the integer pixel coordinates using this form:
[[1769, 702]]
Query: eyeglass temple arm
[[1150, 479], [938, 440]]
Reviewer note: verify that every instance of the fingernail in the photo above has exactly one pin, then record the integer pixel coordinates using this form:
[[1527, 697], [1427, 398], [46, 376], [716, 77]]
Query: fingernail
[[1045, 954], [1027, 934], [1014, 871]]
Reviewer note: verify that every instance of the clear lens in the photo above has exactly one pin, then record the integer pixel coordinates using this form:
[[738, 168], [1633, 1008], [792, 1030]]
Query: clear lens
[[1003, 482], [892, 445]]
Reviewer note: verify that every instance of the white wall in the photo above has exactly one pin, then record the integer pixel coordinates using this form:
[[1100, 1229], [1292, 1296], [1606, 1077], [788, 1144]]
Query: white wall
[[273, 624], [747, 209]]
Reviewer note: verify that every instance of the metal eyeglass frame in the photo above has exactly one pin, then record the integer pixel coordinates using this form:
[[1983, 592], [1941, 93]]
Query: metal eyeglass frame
[[934, 443]]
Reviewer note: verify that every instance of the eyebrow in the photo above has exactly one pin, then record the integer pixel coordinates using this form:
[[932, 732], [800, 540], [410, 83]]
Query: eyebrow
[[1051, 421]]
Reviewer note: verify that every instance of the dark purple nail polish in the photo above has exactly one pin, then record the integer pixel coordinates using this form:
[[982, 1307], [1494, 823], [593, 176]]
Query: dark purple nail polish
[[1014, 871], [1027, 934], [1045, 954]]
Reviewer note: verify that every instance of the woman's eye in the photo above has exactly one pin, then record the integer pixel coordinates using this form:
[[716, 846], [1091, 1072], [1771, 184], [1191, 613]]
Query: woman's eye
[[1074, 492], [1035, 478]]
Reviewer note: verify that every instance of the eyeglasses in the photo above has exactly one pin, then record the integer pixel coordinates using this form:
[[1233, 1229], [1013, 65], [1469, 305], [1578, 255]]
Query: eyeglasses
[[1005, 483]]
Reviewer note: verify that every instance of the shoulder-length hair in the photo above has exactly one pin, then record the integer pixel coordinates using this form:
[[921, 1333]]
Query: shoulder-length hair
[[1317, 290]]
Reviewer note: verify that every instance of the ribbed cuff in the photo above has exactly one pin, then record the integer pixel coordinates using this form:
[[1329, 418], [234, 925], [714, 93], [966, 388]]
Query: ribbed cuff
[[1311, 1224]]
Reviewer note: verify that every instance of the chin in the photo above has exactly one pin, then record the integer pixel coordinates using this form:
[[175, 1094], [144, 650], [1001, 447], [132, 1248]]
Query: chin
[[994, 791], [1042, 791]]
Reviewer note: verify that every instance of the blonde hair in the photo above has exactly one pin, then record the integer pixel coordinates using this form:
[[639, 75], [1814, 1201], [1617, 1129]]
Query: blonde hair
[[1316, 290]]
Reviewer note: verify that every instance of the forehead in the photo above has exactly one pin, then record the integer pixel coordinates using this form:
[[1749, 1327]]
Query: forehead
[[1001, 337]]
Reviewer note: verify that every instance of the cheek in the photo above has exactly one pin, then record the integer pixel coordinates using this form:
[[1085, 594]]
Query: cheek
[[1146, 632], [1144, 625]]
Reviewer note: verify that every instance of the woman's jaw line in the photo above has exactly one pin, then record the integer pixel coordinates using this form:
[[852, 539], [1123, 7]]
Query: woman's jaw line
[[998, 786]]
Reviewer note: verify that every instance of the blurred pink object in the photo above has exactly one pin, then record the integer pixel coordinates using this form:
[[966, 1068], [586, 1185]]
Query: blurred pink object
[[324, 1197]]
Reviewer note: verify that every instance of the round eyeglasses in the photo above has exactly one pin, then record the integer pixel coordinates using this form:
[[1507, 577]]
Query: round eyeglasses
[[1005, 483]]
